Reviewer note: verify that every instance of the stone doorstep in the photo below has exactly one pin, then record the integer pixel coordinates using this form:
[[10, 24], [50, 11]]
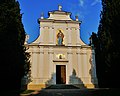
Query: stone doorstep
[[36, 86], [42, 86]]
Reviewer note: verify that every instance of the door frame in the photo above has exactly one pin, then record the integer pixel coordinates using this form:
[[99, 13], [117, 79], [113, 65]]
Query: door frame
[[65, 72]]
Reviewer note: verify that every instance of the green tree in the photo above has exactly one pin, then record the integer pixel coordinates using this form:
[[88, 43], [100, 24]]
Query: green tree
[[12, 36]]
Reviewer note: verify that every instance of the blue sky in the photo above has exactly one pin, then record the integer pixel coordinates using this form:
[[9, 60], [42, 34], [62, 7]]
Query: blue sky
[[88, 12]]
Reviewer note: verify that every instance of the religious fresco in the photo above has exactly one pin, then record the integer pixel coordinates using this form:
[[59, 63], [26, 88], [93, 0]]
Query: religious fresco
[[60, 37]]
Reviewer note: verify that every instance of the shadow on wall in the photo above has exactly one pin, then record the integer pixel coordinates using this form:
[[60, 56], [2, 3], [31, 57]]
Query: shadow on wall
[[73, 79], [92, 73], [51, 81]]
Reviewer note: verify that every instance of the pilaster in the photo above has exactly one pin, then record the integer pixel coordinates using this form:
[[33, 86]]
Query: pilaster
[[41, 35], [70, 66]]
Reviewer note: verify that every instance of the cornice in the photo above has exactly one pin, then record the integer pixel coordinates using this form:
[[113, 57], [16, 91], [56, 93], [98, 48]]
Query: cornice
[[58, 46], [59, 12], [59, 21]]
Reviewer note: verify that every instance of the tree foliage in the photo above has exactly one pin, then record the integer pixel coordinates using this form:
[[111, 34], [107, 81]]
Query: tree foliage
[[107, 46], [12, 36]]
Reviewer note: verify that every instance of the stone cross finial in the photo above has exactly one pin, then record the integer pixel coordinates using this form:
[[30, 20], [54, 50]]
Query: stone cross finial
[[59, 7], [26, 39], [42, 15], [76, 17]]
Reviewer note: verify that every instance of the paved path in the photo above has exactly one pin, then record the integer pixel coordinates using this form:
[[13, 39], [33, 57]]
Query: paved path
[[73, 91], [63, 92]]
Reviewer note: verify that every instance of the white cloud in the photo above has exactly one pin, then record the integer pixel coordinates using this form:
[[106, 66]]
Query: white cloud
[[78, 8], [81, 3], [95, 2]]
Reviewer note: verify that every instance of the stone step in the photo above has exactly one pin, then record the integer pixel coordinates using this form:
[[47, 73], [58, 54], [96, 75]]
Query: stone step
[[62, 86]]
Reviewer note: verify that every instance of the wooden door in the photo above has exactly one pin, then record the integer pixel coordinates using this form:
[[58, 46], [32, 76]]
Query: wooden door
[[60, 74]]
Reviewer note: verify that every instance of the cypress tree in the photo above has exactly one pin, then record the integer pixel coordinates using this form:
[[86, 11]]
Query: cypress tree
[[108, 51], [12, 36]]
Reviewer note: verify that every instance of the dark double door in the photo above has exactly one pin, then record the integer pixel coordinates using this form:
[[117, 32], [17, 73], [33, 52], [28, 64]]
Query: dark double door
[[60, 74]]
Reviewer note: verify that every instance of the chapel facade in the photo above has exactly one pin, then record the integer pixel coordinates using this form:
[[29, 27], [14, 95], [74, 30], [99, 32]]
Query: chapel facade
[[59, 56]]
